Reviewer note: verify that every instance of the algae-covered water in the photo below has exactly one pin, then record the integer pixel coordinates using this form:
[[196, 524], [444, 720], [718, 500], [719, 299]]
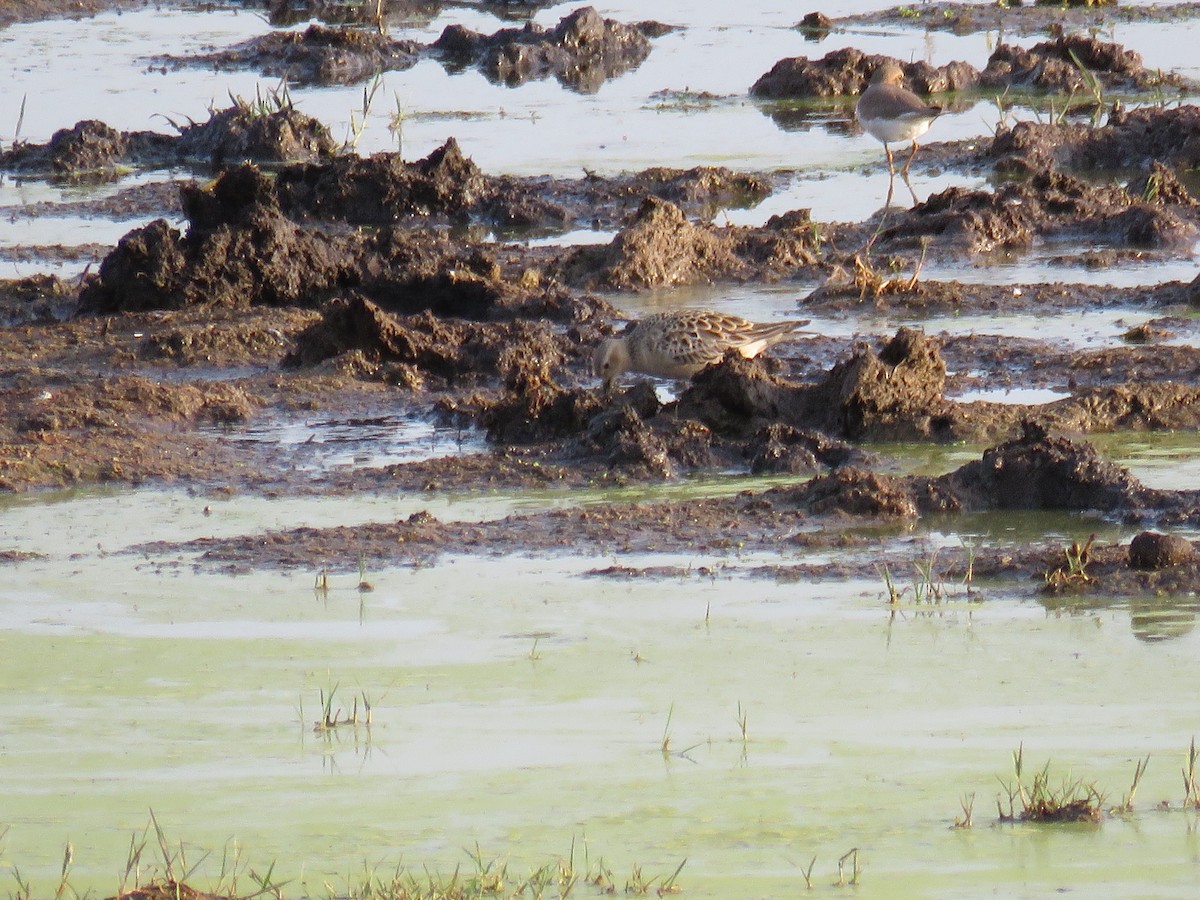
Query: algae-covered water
[[521, 705], [523, 709]]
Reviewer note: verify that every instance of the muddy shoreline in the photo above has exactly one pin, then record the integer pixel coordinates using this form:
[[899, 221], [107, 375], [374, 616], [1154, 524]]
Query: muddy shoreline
[[311, 282]]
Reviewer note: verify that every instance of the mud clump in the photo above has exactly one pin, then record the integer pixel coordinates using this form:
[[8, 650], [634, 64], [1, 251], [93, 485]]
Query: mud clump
[[425, 351], [783, 449], [662, 247], [88, 148], [242, 251], [1059, 66], [1130, 139], [383, 188], [1049, 204], [582, 51], [895, 395], [1049, 66], [1037, 471], [633, 441], [847, 72], [241, 132], [235, 134], [38, 298], [1152, 550], [317, 55]]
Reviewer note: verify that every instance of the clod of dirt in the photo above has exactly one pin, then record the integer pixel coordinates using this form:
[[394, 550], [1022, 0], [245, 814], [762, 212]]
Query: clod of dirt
[[857, 492], [738, 396], [1133, 139], [1161, 186], [423, 350], [243, 132], [242, 251], [111, 402], [895, 395], [38, 298], [1048, 66], [660, 248], [317, 55], [782, 449], [1152, 550], [233, 135], [1064, 65], [582, 51], [88, 148], [1037, 471], [846, 72], [383, 188], [1019, 18], [1049, 204]]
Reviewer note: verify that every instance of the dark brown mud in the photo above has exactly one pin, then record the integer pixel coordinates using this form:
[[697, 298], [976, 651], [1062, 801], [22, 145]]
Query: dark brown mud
[[317, 55], [1034, 471], [1068, 64], [93, 150], [582, 52], [326, 284]]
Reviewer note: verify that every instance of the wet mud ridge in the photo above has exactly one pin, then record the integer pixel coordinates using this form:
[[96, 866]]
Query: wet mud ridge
[[309, 281]]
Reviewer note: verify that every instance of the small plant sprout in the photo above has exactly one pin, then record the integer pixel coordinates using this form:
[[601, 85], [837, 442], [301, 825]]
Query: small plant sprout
[[671, 886], [23, 891], [741, 720], [331, 716], [894, 594], [533, 651], [1138, 772], [364, 586], [65, 873], [396, 127], [133, 863], [971, 546], [1078, 556], [267, 884], [20, 121], [666, 738], [1192, 795], [358, 126], [852, 855], [321, 584], [967, 802], [807, 873], [916, 275], [927, 587], [1090, 79]]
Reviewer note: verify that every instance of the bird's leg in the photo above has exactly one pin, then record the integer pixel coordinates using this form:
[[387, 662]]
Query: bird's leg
[[908, 184], [891, 164], [911, 157]]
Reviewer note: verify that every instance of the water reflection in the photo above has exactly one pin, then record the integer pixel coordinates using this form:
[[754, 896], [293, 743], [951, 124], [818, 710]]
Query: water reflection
[[1152, 620], [1155, 620]]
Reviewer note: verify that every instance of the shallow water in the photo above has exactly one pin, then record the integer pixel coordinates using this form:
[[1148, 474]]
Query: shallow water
[[519, 703], [139, 686]]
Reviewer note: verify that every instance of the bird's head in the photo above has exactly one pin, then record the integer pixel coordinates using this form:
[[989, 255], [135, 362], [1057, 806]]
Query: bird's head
[[610, 360]]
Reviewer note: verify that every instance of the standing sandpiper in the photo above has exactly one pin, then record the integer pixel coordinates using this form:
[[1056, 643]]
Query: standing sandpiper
[[680, 343], [891, 112]]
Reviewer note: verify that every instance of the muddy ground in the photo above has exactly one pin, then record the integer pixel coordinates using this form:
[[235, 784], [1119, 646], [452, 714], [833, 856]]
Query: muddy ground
[[309, 282]]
